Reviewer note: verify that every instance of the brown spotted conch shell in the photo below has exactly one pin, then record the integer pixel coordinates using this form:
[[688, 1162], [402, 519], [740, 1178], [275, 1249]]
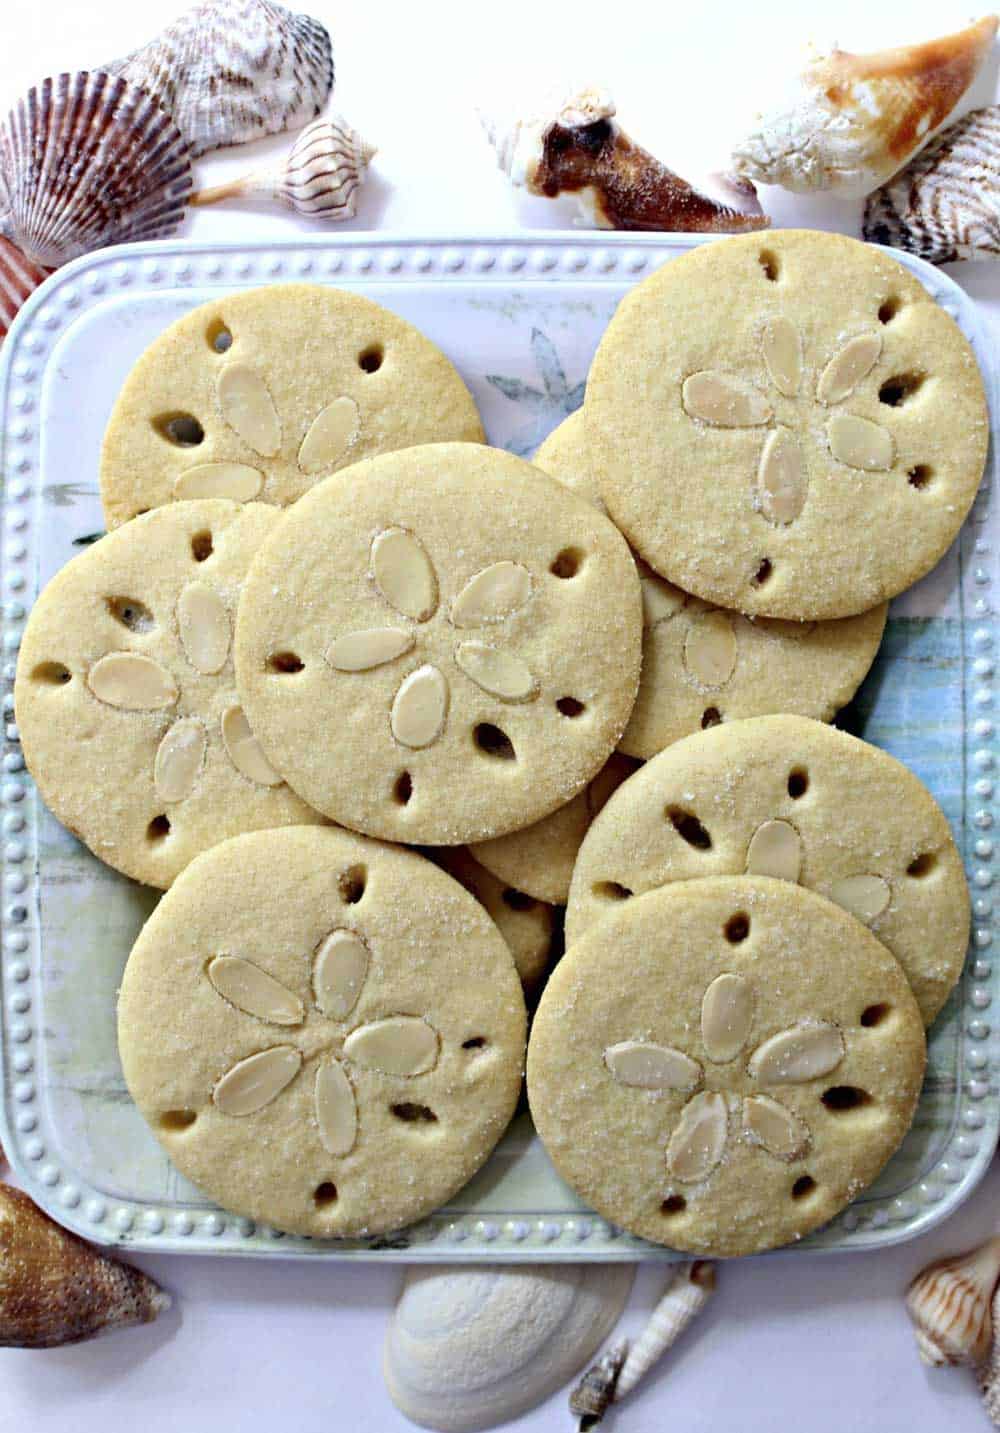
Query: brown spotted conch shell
[[856, 120], [576, 147], [949, 1305], [56, 1289], [18, 278]]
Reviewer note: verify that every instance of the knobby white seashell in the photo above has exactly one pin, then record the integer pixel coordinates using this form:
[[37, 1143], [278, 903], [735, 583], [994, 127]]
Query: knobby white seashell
[[688, 1290], [56, 1289], [233, 70], [254, 991], [946, 204], [321, 176], [949, 1305], [19, 277], [595, 1393], [575, 146], [856, 120], [87, 160], [474, 1346]]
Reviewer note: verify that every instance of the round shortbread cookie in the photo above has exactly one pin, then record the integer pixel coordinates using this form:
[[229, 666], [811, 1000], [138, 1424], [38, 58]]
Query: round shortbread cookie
[[722, 1065], [440, 645], [125, 697], [785, 796], [263, 393], [324, 1032], [703, 665], [527, 924], [787, 424]]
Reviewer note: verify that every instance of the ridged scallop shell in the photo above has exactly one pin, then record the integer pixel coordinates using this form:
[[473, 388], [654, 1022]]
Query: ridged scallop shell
[[856, 120], [229, 71], [87, 160], [949, 1305], [946, 204], [473, 1346], [19, 277]]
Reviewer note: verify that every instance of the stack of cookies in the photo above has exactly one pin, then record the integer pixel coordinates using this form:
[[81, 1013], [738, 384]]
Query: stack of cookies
[[328, 623]]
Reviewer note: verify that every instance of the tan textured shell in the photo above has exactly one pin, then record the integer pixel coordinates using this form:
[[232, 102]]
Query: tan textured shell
[[949, 1305]]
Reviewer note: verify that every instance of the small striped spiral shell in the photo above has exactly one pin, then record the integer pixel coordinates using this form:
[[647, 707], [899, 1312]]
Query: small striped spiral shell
[[686, 1294], [949, 1305]]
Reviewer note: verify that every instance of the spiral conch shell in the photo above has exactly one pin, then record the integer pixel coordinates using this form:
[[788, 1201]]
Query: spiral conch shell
[[949, 1305], [575, 146], [56, 1289], [858, 119], [320, 178]]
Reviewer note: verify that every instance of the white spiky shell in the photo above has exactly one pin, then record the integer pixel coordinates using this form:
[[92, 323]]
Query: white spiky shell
[[949, 1305], [229, 71], [688, 1291], [468, 1347], [88, 160], [18, 278], [856, 120]]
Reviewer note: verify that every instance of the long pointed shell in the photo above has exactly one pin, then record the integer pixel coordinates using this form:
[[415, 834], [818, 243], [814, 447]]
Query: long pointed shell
[[858, 119], [688, 1290], [57, 1289], [473, 1346], [595, 1393], [949, 1305], [87, 160], [233, 70], [19, 277]]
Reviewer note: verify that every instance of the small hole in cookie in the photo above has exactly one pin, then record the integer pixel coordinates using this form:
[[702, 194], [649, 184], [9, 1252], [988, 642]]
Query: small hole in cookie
[[351, 884], [494, 742], [845, 1097], [53, 674], [403, 789], [181, 429], [922, 866], [737, 928], [768, 261], [517, 900], [711, 716], [763, 573], [284, 663], [370, 360], [920, 476], [218, 337], [325, 1194], [874, 1015], [798, 782], [131, 613], [610, 891], [414, 1114], [159, 828], [689, 828], [570, 707], [673, 1204], [477, 1042], [803, 1186], [174, 1120], [888, 310], [202, 546], [567, 563], [900, 389]]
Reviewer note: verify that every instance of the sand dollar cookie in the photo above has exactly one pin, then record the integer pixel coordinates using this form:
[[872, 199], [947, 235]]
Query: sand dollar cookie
[[787, 424], [526, 924], [786, 797], [261, 394], [125, 696], [752, 1072], [323, 1032], [703, 665], [440, 645]]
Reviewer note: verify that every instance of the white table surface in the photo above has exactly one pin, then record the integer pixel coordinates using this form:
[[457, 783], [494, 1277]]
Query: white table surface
[[813, 1343]]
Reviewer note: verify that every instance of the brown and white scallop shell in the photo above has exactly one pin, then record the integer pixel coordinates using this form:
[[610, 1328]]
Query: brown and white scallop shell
[[229, 71], [19, 277], [88, 160]]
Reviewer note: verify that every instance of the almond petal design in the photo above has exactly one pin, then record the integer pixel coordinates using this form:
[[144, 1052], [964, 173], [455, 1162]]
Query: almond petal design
[[253, 991], [256, 1081], [131, 682], [699, 1138], [775, 849], [403, 573], [660, 599], [846, 369], [726, 1013], [724, 401], [332, 432], [710, 650], [773, 1126], [179, 759], [644, 1066], [500, 673], [801, 1053], [203, 623], [420, 708], [248, 408], [361, 651], [781, 478], [782, 348], [864, 896], [336, 1108], [492, 594], [858, 443], [400, 1045], [244, 750], [237, 481], [339, 972]]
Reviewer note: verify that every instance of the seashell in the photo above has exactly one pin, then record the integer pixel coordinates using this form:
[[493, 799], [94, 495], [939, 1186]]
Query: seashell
[[688, 1290], [575, 146], [989, 1372], [87, 160], [949, 1305], [320, 177], [229, 71], [56, 1289], [19, 277], [474, 1345], [946, 204], [856, 120], [595, 1393]]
